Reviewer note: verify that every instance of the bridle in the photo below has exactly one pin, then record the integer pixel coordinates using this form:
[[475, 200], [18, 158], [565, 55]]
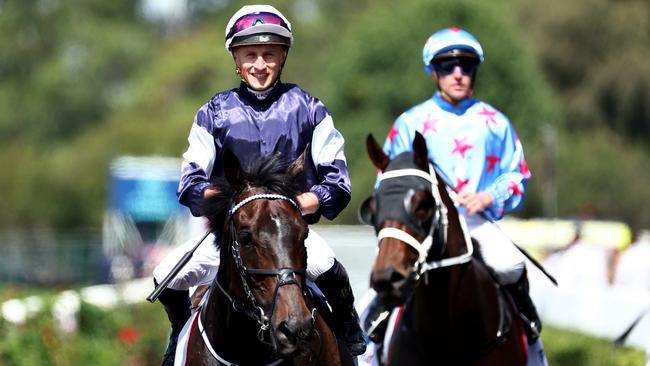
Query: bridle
[[285, 276], [439, 222]]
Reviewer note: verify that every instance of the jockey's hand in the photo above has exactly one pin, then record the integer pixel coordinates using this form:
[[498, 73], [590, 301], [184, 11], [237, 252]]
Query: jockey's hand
[[308, 202], [474, 202], [209, 192]]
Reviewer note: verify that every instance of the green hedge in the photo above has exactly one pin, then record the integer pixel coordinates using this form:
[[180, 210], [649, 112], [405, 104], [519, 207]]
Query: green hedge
[[570, 348], [137, 335]]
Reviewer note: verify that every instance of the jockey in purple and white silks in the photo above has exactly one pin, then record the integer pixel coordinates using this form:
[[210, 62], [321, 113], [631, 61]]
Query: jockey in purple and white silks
[[476, 150], [261, 117], [285, 121]]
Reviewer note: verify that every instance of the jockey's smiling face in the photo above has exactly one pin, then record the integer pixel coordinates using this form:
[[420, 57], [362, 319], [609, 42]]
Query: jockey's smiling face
[[260, 65]]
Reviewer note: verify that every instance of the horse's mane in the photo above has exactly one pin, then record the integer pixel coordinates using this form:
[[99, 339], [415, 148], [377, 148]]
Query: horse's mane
[[269, 172]]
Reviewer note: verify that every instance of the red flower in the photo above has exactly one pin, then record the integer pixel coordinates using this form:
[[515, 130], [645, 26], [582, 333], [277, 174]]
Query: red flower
[[128, 335]]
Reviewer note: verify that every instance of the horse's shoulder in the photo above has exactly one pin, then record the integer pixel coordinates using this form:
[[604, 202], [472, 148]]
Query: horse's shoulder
[[198, 294]]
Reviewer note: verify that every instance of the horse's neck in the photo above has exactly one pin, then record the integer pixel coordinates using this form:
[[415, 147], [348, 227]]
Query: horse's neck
[[461, 302]]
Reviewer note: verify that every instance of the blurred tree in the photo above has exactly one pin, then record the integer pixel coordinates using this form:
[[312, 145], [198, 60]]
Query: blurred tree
[[83, 82], [66, 64], [595, 54]]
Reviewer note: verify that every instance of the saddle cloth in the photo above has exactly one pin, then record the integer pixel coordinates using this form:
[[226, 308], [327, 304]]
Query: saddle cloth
[[184, 336]]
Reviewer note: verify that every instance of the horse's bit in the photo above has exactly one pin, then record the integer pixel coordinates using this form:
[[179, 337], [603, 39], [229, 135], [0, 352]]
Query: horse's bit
[[440, 222]]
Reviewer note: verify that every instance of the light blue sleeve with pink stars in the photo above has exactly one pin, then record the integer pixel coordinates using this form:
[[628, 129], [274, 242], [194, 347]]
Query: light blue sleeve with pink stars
[[473, 146]]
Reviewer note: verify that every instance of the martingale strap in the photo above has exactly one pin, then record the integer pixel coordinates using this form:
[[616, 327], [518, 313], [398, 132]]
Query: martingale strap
[[214, 354]]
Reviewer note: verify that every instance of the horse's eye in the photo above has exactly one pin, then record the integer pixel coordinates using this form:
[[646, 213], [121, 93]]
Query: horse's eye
[[423, 204], [245, 237]]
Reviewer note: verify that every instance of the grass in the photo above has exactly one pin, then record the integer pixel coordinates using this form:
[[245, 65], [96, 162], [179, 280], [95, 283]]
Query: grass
[[570, 348]]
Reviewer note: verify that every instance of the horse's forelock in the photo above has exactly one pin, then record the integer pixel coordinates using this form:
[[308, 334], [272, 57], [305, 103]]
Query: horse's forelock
[[271, 173]]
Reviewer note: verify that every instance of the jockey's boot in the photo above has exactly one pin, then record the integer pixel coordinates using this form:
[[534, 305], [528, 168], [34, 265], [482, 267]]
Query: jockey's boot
[[178, 307], [521, 296], [376, 321], [335, 285]]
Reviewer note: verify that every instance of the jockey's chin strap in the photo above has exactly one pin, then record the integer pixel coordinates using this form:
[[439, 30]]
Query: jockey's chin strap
[[439, 221]]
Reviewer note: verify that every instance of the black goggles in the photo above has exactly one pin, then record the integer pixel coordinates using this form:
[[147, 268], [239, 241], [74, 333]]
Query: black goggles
[[447, 66]]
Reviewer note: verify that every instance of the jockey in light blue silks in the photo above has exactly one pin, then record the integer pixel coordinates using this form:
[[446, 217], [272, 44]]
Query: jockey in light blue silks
[[479, 155]]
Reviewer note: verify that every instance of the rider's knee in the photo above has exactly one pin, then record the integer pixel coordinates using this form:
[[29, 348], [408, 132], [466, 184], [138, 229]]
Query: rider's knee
[[320, 257], [508, 275]]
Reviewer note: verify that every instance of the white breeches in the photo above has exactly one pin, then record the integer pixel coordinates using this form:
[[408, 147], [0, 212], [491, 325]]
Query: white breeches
[[497, 250], [203, 266]]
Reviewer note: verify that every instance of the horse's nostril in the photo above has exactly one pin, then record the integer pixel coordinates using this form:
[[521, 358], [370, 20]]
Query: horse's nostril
[[396, 277], [385, 281], [382, 286], [285, 330], [291, 333]]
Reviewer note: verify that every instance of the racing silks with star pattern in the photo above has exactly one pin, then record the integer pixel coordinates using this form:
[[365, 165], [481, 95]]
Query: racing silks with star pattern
[[473, 145]]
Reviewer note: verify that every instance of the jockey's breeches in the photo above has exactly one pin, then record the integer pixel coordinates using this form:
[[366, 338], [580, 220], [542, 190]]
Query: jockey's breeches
[[203, 265], [497, 250]]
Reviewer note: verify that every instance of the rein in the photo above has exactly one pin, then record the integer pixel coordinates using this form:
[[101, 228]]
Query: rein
[[439, 221]]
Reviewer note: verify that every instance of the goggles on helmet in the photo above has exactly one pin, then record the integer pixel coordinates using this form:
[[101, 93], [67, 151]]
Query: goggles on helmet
[[449, 43], [250, 20], [446, 66]]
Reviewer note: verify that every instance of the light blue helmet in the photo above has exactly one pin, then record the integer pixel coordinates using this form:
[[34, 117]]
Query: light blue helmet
[[450, 42]]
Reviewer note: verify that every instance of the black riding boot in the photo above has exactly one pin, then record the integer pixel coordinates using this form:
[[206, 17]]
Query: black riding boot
[[335, 285], [520, 294], [177, 305]]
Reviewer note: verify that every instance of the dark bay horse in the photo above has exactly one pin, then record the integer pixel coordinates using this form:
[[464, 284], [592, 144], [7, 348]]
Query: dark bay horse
[[453, 312], [259, 310]]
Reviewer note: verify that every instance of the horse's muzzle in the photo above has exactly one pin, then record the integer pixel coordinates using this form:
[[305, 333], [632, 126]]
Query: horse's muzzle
[[393, 287], [292, 328]]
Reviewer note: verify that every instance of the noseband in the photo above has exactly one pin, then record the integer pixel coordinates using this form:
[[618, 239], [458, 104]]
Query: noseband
[[439, 222], [285, 276]]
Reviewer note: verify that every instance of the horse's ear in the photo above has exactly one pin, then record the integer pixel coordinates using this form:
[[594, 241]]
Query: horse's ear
[[420, 154], [377, 155], [295, 170], [232, 168], [367, 210]]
